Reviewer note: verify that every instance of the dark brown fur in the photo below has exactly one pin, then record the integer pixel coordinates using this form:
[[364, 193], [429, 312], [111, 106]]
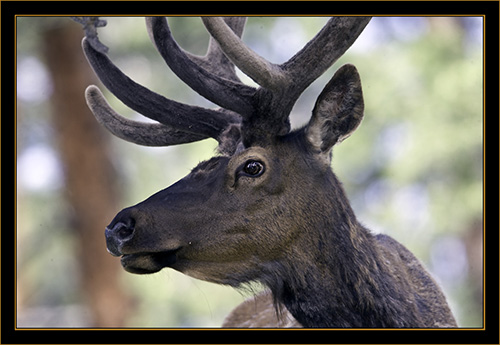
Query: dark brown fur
[[268, 209]]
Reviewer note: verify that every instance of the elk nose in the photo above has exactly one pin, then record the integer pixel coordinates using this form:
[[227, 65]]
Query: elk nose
[[119, 234]]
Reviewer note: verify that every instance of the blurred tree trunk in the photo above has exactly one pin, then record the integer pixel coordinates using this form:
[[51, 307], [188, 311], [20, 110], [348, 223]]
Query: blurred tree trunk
[[89, 176]]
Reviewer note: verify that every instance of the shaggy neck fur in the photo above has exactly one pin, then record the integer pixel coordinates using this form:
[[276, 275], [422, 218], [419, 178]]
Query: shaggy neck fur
[[335, 276]]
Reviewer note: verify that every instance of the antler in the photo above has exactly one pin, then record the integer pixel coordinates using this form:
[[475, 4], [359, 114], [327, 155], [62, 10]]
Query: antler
[[147, 134], [263, 72], [178, 123], [212, 76], [262, 113], [288, 80]]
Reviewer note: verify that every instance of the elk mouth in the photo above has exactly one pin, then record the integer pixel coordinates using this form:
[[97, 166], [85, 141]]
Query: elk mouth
[[147, 263]]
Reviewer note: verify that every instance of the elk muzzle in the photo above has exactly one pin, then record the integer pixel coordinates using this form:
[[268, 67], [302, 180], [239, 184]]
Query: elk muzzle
[[122, 240]]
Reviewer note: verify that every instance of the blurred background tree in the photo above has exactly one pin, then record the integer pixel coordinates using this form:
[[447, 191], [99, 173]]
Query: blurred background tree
[[412, 170]]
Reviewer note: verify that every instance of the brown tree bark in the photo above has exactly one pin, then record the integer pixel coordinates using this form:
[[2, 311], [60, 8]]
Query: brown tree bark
[[89, 176]]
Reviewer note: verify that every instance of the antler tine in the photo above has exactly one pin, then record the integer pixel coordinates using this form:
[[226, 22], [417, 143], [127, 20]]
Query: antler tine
[[212, 76], [215, 60], [147, 134], [323, 50], [182, 117], [264, 73]]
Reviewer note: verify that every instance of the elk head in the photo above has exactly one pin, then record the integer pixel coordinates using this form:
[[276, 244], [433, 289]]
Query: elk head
[[261, 199]]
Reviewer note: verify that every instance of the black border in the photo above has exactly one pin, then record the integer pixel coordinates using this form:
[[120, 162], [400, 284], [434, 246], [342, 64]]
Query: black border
[[490, 334]]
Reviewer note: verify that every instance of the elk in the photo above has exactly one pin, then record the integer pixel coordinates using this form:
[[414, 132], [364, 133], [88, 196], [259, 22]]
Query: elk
[[267, 207]]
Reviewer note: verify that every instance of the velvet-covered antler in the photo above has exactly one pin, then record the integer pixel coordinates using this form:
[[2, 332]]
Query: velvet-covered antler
[[256, 115]]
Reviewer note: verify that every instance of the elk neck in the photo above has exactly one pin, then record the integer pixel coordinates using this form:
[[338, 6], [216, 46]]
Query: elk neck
[[334, 275]]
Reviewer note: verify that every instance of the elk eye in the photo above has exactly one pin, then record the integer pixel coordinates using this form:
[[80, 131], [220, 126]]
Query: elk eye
[[253, 168]]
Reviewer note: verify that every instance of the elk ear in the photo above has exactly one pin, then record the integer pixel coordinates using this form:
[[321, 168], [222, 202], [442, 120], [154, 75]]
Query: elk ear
[[337, 113]]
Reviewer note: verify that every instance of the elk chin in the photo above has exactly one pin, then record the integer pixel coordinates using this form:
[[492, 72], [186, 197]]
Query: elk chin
[[234, 274], [148, 263]]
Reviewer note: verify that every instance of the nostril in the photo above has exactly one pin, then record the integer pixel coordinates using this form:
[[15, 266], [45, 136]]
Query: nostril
[[123, 231]]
